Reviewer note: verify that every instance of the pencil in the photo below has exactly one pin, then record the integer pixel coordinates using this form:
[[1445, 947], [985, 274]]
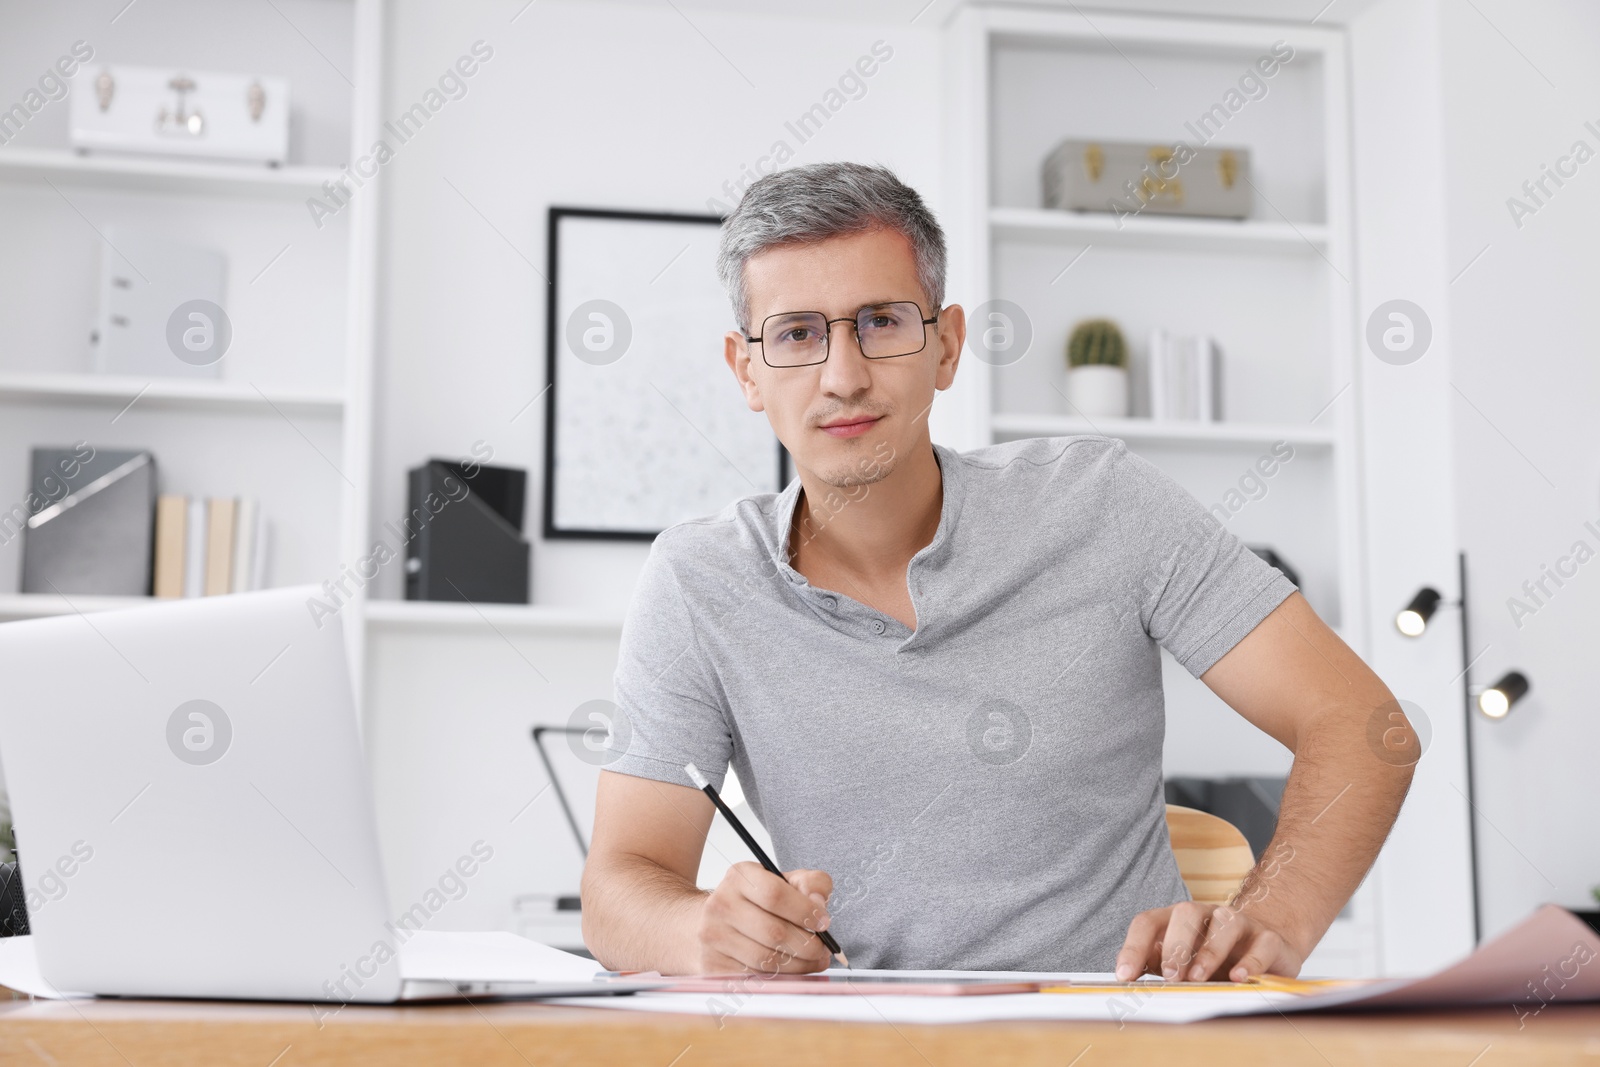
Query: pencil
[[766, 861]]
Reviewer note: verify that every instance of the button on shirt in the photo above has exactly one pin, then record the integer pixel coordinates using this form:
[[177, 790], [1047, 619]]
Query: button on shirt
[[984, 790]]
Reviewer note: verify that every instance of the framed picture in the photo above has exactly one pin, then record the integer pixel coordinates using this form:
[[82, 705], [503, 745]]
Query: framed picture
[[645, 425]]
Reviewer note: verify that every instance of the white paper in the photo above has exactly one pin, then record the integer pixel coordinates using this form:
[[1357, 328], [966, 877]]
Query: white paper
[[19, 970], [496, 956], [1132, 1006], [1550, 957]]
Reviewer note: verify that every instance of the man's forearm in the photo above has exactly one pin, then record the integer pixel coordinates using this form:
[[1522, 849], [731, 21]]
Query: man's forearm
[[1339, 803], [639, 916]]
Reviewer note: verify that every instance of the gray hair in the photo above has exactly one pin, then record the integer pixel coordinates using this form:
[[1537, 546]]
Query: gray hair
[[823, 200]]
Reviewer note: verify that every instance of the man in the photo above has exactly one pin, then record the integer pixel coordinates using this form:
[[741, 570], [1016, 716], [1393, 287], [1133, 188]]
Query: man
[[938, 675]]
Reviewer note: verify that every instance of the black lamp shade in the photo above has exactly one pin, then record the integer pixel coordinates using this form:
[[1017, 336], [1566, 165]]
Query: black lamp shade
[[1413, 618], [1497, 700]]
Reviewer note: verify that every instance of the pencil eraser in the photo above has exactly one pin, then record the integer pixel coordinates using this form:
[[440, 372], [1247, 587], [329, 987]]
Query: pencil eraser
[[695, 776]]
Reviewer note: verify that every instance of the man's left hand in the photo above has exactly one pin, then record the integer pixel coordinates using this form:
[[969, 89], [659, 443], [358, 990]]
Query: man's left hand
[[1192, 942]]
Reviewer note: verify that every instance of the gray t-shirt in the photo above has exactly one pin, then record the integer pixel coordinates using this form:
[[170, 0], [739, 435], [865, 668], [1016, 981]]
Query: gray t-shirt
[[986, 791]]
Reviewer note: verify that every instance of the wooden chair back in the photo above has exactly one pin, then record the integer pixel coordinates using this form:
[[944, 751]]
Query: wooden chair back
[[1213, 856]]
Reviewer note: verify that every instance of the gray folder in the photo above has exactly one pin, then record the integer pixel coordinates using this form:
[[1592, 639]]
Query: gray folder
[[93, 532]]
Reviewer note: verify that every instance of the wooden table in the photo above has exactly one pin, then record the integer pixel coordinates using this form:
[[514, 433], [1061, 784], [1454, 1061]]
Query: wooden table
[[150, 1033]]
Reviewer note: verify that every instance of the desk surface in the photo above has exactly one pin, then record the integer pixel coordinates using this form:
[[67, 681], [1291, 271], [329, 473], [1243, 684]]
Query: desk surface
[[149, 1033]]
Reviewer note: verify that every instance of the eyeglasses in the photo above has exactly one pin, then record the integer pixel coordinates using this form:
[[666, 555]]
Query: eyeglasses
[[803, 338]]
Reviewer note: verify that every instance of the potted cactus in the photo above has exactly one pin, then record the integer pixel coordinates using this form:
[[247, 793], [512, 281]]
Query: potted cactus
[[1097, 370]]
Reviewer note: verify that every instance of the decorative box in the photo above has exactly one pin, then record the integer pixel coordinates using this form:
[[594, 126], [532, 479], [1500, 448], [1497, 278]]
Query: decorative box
[[181, 113], [1128, 178]]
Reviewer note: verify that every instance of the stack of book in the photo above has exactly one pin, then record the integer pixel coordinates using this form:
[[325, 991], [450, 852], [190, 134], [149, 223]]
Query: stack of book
[[1185, 378], [205, 547]]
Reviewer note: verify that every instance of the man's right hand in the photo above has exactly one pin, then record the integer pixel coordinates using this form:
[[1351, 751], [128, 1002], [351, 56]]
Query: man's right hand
[[756, 921]]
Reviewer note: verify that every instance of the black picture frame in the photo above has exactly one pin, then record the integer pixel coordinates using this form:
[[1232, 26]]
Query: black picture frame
[[554, 343]]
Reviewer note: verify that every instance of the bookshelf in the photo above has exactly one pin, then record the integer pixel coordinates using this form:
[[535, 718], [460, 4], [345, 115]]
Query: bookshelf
[[1274, 290], [288, 419]]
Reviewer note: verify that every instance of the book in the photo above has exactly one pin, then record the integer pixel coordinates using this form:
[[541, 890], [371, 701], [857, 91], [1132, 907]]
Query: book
[[1181, 376], [1157, 372], [1208, 365], [172, 519], [219, 545], [1185, 378], [194, 549], [244, 545], [263, 545], [208, 547]]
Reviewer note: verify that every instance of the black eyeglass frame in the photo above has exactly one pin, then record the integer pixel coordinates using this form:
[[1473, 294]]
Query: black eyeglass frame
[[855, 324]]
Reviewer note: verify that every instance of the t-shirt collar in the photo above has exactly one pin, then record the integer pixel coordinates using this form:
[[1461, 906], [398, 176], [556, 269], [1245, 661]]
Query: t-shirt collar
[[951, 477]]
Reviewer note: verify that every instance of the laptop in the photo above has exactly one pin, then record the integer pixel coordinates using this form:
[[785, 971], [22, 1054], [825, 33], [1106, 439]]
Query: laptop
[[193, 812]]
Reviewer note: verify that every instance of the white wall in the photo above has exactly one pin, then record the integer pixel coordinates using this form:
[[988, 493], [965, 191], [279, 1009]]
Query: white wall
[[607, 105], [1519, 82]]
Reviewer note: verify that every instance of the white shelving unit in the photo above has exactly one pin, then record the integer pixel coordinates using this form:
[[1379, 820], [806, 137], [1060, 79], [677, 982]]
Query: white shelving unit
[[288, 420], [1273, 289]]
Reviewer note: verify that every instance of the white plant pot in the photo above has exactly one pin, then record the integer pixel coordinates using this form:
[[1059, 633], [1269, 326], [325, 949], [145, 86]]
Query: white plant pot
[[1098, 390]]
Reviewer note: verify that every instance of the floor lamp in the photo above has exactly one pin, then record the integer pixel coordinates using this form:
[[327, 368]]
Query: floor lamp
[[1493, 702]]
